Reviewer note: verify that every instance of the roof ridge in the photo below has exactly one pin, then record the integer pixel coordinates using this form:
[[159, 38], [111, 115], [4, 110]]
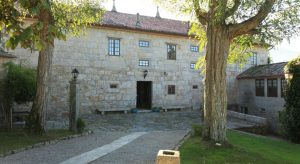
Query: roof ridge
[[148, 16]]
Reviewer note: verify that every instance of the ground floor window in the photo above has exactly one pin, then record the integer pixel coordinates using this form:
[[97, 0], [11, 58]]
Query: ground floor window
[[283, 86], [272, 87], [259, 87], [171, 89]]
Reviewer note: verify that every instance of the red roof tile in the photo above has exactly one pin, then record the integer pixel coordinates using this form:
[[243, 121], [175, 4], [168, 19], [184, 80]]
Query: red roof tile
[[147, 23]]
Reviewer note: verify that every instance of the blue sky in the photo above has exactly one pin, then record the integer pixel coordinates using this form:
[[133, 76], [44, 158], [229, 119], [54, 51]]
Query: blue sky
[[282, 52]]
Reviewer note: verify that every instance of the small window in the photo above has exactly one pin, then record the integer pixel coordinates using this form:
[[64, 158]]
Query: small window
[[195, 48], [272, 87], [143, 62], [114, 47], [253, 59], [195, 86], [143, 43], [260, 87], [171, 50], [171, 89], [192, 65], [113, 86], [283, 86]]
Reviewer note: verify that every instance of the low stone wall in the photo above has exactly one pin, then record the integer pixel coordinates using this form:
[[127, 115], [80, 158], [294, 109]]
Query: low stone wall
[[249, 118]]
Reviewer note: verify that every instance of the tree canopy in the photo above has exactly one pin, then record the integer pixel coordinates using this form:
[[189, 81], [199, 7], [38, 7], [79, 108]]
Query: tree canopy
[[69, 17], [263, 22]]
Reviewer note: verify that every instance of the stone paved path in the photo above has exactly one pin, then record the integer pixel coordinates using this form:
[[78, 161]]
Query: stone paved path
[[164, 131]]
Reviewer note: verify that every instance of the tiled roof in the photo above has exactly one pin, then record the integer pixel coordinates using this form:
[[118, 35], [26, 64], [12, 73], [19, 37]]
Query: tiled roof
[[147, 23], [262, 71]]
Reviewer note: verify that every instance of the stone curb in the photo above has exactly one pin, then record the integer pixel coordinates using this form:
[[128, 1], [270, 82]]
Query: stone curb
[[186, 136], [37, 145]]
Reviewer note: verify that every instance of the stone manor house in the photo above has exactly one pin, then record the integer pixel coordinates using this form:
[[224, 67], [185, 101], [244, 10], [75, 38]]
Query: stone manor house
[[131, 61]]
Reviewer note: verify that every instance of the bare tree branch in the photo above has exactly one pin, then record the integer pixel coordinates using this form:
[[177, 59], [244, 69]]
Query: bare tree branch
[[232, 10], [251, 24], [200, 14]]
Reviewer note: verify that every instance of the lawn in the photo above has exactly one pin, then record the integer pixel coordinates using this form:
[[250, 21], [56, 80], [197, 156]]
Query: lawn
[[245, 149], [19, 138]]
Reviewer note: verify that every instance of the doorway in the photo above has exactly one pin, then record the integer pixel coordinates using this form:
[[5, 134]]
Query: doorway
[[144, 94]]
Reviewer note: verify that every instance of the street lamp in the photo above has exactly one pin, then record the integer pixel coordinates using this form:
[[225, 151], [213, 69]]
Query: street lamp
[[75, 73]]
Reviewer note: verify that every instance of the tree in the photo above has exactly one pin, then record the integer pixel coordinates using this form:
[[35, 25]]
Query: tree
[[228, 28], [52, 19], [290, 116]]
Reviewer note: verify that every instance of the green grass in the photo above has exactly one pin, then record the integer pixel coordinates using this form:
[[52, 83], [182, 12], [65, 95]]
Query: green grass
[[245, 149], [18, 138]]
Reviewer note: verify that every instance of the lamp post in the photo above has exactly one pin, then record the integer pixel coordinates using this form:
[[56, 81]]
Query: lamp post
[[74, 101]]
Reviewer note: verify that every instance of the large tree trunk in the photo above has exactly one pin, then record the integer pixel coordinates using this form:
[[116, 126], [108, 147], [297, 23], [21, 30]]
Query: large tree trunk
[[215, 96], [38, 111]]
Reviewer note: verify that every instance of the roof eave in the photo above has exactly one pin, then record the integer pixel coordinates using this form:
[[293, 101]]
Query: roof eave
[[142, 30]]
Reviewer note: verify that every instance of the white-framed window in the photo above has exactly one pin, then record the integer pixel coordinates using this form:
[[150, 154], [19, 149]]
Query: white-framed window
[[143, 62], [194, 48], [143, 43], [192, 65], [253, 59], [171, 51], [114, 46]]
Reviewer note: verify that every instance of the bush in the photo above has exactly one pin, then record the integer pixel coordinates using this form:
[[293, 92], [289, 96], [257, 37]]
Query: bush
[[19, 83], [80, 125], [197, 130], [290, 116]]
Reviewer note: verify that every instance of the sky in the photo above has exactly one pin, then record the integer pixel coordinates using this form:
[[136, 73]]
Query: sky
[[283, 52]]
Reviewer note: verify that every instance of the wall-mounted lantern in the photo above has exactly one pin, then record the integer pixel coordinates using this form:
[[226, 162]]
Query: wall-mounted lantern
[[75, 73], [288, 75], [145, 73]]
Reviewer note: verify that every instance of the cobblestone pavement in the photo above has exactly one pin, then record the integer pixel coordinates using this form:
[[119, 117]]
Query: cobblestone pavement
[[141, 122], [164, 131]]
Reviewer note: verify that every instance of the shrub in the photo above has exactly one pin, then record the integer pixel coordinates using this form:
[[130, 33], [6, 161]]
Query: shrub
[[290, 116], [19, 83], [197, 130], [80, 125]]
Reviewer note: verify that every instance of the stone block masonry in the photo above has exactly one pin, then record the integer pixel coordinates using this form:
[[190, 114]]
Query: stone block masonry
[[111, 81]]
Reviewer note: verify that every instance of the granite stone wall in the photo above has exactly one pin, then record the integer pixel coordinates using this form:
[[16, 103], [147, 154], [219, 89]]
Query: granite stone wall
[[98, 70], [267, 107]]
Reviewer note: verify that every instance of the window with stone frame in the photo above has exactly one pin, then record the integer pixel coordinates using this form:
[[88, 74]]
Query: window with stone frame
[[195, 86], [171, 51], [253, 59], [283, 86], [143, 43], [171, 89], [260, 87], [272, 88], [192, 65], [194, 48], [114, 47], [144, 63]]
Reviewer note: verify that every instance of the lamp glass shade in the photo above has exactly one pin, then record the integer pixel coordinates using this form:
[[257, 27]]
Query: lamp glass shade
[[75, 73]]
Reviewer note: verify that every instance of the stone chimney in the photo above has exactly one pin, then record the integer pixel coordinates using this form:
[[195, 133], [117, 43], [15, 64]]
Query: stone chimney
[[138, 23], [114, 7], [157, 13]]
